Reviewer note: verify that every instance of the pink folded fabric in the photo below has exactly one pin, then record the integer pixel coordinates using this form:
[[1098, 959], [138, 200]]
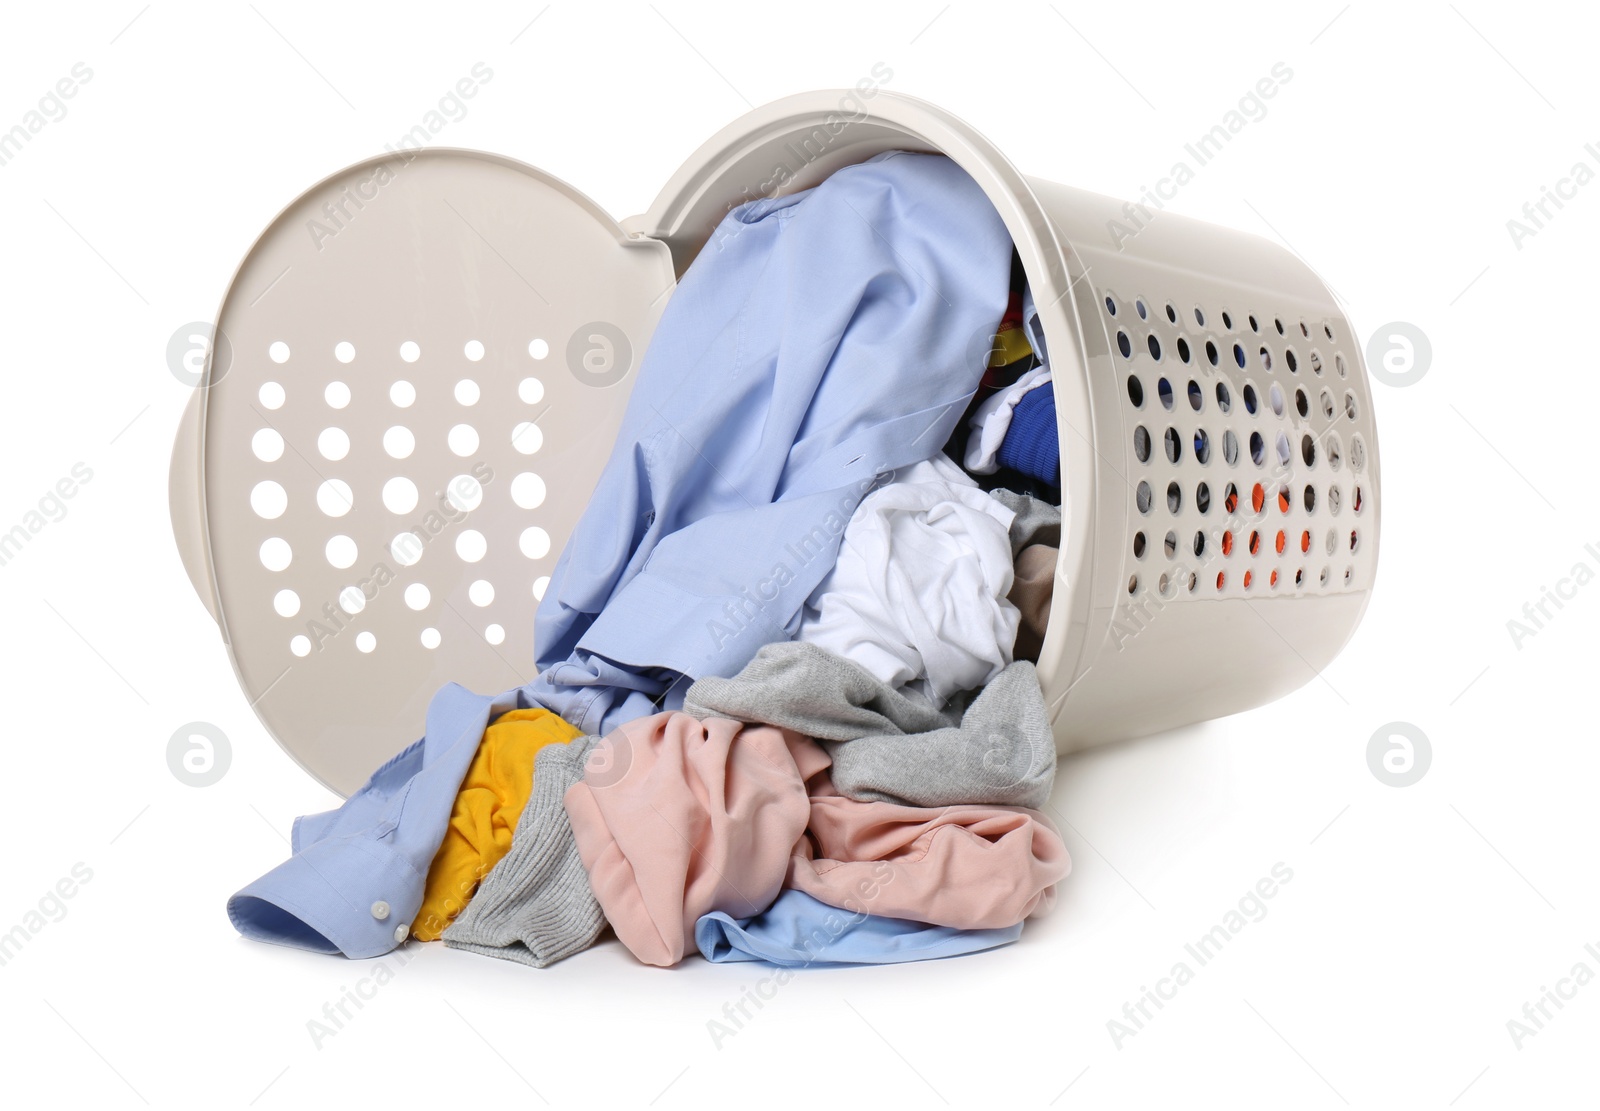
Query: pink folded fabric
[[967, 867], [676, 818]]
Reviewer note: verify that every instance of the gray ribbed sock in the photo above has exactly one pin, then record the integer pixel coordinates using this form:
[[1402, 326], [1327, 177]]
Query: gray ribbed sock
[[535, 906], [890, 746], [1038, 522]]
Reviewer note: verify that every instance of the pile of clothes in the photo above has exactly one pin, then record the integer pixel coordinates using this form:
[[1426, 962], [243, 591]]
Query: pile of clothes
[[786, 707]]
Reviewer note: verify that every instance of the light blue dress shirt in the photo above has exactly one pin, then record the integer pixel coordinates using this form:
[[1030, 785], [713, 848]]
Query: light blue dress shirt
[[820, 340], [799, 931], [355, 881]]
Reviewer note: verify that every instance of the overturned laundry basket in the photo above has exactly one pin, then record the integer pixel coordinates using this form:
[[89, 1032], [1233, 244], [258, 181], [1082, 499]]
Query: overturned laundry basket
[[422, 363]]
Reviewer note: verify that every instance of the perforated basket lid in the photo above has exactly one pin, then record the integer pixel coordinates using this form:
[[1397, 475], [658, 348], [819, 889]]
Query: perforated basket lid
[[426, 359]]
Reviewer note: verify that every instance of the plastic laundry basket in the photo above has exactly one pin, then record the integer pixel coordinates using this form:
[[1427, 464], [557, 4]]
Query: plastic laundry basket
[[427, 357]]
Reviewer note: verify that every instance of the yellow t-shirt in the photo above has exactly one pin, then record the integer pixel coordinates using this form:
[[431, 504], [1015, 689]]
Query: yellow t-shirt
[[493, 793]]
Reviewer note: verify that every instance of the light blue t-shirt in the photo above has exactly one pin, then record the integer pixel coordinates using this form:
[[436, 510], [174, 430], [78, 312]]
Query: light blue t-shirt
[[798, 931]]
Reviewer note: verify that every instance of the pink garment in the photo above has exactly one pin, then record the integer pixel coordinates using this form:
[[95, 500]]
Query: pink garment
[[676, 818], [967, 867]]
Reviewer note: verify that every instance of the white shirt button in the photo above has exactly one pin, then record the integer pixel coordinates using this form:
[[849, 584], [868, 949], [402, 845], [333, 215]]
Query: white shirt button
[[380, 910], [400, 932]]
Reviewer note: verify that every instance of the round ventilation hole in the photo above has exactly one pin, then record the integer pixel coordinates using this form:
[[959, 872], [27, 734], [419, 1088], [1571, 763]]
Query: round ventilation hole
[[267, 445], [333, 444], [270, 395], [471, 545], [473, 350], [336, 394], [278, 352], [527, 438], [1141, 443], [1135, 391], [1142, 497], [495, 634], [340, 550], [465, 493], [269, 500], [365, 641], [399, 495], [344, 351], [481, 592], [430, 638], [286, 602], [540, 585], [531, 391], [300, 645], [275, 553], [402, 394], [418, 596], [406, 548], [534, 542], [528, 491], [398, 442], [334, 497], [410, 352], [538, 348], [463, 440], [467, 392]]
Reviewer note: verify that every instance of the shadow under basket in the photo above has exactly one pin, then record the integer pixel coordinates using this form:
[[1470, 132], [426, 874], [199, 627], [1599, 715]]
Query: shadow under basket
[[422, 363]]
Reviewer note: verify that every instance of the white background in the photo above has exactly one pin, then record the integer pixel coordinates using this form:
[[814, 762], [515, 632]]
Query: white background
[[1419, 920]]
